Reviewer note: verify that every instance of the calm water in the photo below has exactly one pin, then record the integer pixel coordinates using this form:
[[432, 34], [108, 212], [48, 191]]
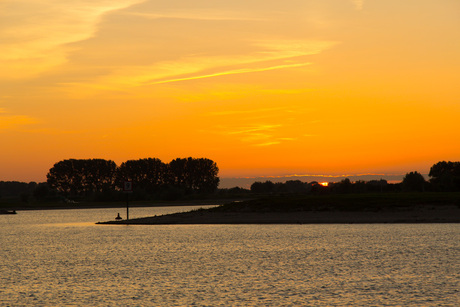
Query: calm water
[[61, 258]]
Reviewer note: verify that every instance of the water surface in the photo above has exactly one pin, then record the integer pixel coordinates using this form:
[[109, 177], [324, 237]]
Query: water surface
[[60, 257]]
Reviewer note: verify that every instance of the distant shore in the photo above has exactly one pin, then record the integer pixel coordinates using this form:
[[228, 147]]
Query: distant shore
[[439, 215], [342, 209]]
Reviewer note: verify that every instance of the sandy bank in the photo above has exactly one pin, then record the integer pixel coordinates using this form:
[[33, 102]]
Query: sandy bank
[[442, 214]]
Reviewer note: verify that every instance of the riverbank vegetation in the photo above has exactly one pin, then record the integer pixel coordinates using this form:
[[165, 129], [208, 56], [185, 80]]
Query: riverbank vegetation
[[344, 202], [96, 182], [429, 207]]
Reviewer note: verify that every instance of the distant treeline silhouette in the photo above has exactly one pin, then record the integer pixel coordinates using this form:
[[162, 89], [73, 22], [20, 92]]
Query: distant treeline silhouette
[[445, 177], [22, 190], [102, 180], [150, 177], [342, 187]]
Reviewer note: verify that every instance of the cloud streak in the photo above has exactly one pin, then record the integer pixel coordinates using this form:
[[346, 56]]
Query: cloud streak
[[265, 53], [233, 72], [257, 128], [240, 112], [205, 15], [34, 36], [261, 135], [265, 56]]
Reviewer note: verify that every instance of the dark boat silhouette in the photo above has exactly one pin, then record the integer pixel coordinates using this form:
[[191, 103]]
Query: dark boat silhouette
[[118, 217], [2, 211]]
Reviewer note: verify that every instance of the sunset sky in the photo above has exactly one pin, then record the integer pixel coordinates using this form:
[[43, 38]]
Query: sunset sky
[[263, 88]]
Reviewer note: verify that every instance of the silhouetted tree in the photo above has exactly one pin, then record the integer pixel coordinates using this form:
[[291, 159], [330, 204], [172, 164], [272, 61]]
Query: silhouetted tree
[[445, 176], [414, 181], [345, 186], [194, 175], [147, 174], [235, 191], [100, 175], [14, 189], [317, 188], [41, 192], [263, 187], [205, 171], [296, 186], [377, 185], [280, 187], [359, 187], [78, 177]]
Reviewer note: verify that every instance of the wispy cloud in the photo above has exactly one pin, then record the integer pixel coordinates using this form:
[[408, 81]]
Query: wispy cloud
[[268, 144], [292, 48], [265, 56], [34, 36], [240, 112], [326, 176], [233, 72], [203, 14], [265, 53], [256, 128], [260, 135], [275, 141]]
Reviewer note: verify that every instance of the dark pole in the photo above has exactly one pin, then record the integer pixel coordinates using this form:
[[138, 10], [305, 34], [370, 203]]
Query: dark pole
[[127, 206], [127, 188]]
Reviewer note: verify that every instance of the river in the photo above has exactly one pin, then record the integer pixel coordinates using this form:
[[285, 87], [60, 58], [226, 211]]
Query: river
[[62, 258]]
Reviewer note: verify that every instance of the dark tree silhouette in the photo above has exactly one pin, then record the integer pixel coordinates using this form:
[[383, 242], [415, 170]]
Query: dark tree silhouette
[[41, 192], [16, 189], [414, 181], [101, 178], [263, 187], [61, 177], [194, 175], [296, 186], [13, 188], [177, 173], [148, 174], [100, 175], [75, 177], [445, 176], [376, 185], [345, 186]]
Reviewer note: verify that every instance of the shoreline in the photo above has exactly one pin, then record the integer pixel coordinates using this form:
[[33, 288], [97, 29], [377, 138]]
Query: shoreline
[[321, 209], [442, 214]]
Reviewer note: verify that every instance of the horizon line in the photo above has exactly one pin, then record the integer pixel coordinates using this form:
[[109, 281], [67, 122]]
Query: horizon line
[[317, 175]]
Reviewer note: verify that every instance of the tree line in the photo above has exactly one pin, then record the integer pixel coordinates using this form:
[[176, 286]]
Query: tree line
[[15, 189], [445, 177], [150, 177], [102, 180], [342, 187]]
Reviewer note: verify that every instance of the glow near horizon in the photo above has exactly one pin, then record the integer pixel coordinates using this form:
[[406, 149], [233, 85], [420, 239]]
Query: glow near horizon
[[262, 88]]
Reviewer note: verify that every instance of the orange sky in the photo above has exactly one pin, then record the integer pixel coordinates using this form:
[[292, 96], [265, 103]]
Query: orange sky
[[261, 87]]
